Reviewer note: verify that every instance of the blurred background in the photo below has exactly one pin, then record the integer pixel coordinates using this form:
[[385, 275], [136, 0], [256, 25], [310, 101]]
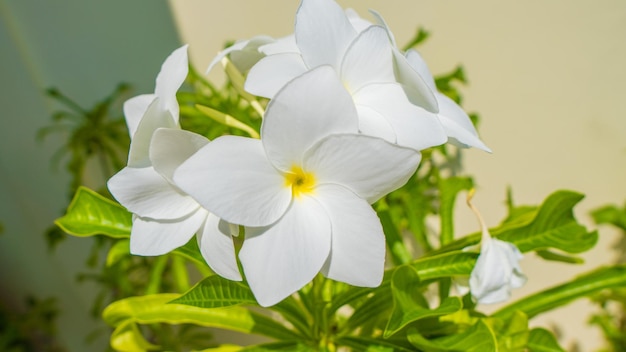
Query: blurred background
[[547, 78]]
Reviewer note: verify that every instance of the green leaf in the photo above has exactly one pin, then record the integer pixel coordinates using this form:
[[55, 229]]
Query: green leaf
[[91, 214], [449, 188], [557, 257], [512, 334], [542, 340], [359, 343], [408, 303], [150, 309], [215, 291], [127, 338], [291, 346], [455, 263], [119, 250], [592, 282], [478, 338], [554, 226], [372, 309], [610, 214]]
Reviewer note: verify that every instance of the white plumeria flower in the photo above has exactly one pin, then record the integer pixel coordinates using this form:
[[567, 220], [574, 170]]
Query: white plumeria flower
[[364, 62], [455, 121], [304, 190], [497, 270], [166, 218], [414, 75]]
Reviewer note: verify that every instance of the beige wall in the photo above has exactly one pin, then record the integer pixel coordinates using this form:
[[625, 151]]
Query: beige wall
[[547, 78]]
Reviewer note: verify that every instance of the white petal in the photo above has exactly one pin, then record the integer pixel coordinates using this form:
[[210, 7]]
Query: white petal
[[416, 61], [370, 167], [218, 249], [282, 45], [381, 22], [170, 147], [144, 192], [172, 75], [496, 272], [222, 54], [232, 178], [457, 124], [414, 127], [134, 109], [368, 60], [323, 32], [155, 117], [249, 55], [372, 123], [357, 254], [356, 21], [157, 237], [279, 259], [272, 72], [415, 87], [308, 108]]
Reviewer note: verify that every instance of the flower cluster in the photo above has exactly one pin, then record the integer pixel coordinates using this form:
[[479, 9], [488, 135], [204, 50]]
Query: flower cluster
[[347, 117]]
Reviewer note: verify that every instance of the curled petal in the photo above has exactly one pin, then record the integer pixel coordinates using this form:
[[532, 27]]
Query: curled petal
[[172, 75], [170, 147], [357, 254], [218, 249], [370, 167], [368, 60], [282, 45], [272, 72], [156, 237], [144, 192], [155, 117], [232, 178], [307, 109], [458, 125], [414, 127], [323, 32], [134, 109], [280, 259], [415, 87]]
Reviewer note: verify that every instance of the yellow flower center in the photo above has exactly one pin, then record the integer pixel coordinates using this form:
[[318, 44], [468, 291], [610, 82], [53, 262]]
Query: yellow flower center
[[301, 182]]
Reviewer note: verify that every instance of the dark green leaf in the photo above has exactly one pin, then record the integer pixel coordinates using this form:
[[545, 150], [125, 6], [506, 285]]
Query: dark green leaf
[[408, 303], [478, 338]]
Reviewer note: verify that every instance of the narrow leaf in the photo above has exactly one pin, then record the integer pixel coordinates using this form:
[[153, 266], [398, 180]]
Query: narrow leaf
[[227, 120], [152, 309], [592, 282]]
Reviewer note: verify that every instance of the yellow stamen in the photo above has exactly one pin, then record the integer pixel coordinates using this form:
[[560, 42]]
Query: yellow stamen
[[300, 181]]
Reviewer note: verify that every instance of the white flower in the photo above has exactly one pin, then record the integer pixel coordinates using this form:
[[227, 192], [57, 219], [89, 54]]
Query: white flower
[[363, 61], [497, 268], [496, 272], [166, 218], [304, 190], [419, 84]]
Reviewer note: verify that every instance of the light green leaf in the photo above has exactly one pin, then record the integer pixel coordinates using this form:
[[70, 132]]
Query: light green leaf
[[592, 282], [119, 250], [408, 303], [91, 214], [215, 291], [610, 214], [454, 263], [541, 340], [152, 309], [512, 334], [127, 338], [227, 120], [291, 346], [478, 338], [557, 257], [360, 343], [449, 188]]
